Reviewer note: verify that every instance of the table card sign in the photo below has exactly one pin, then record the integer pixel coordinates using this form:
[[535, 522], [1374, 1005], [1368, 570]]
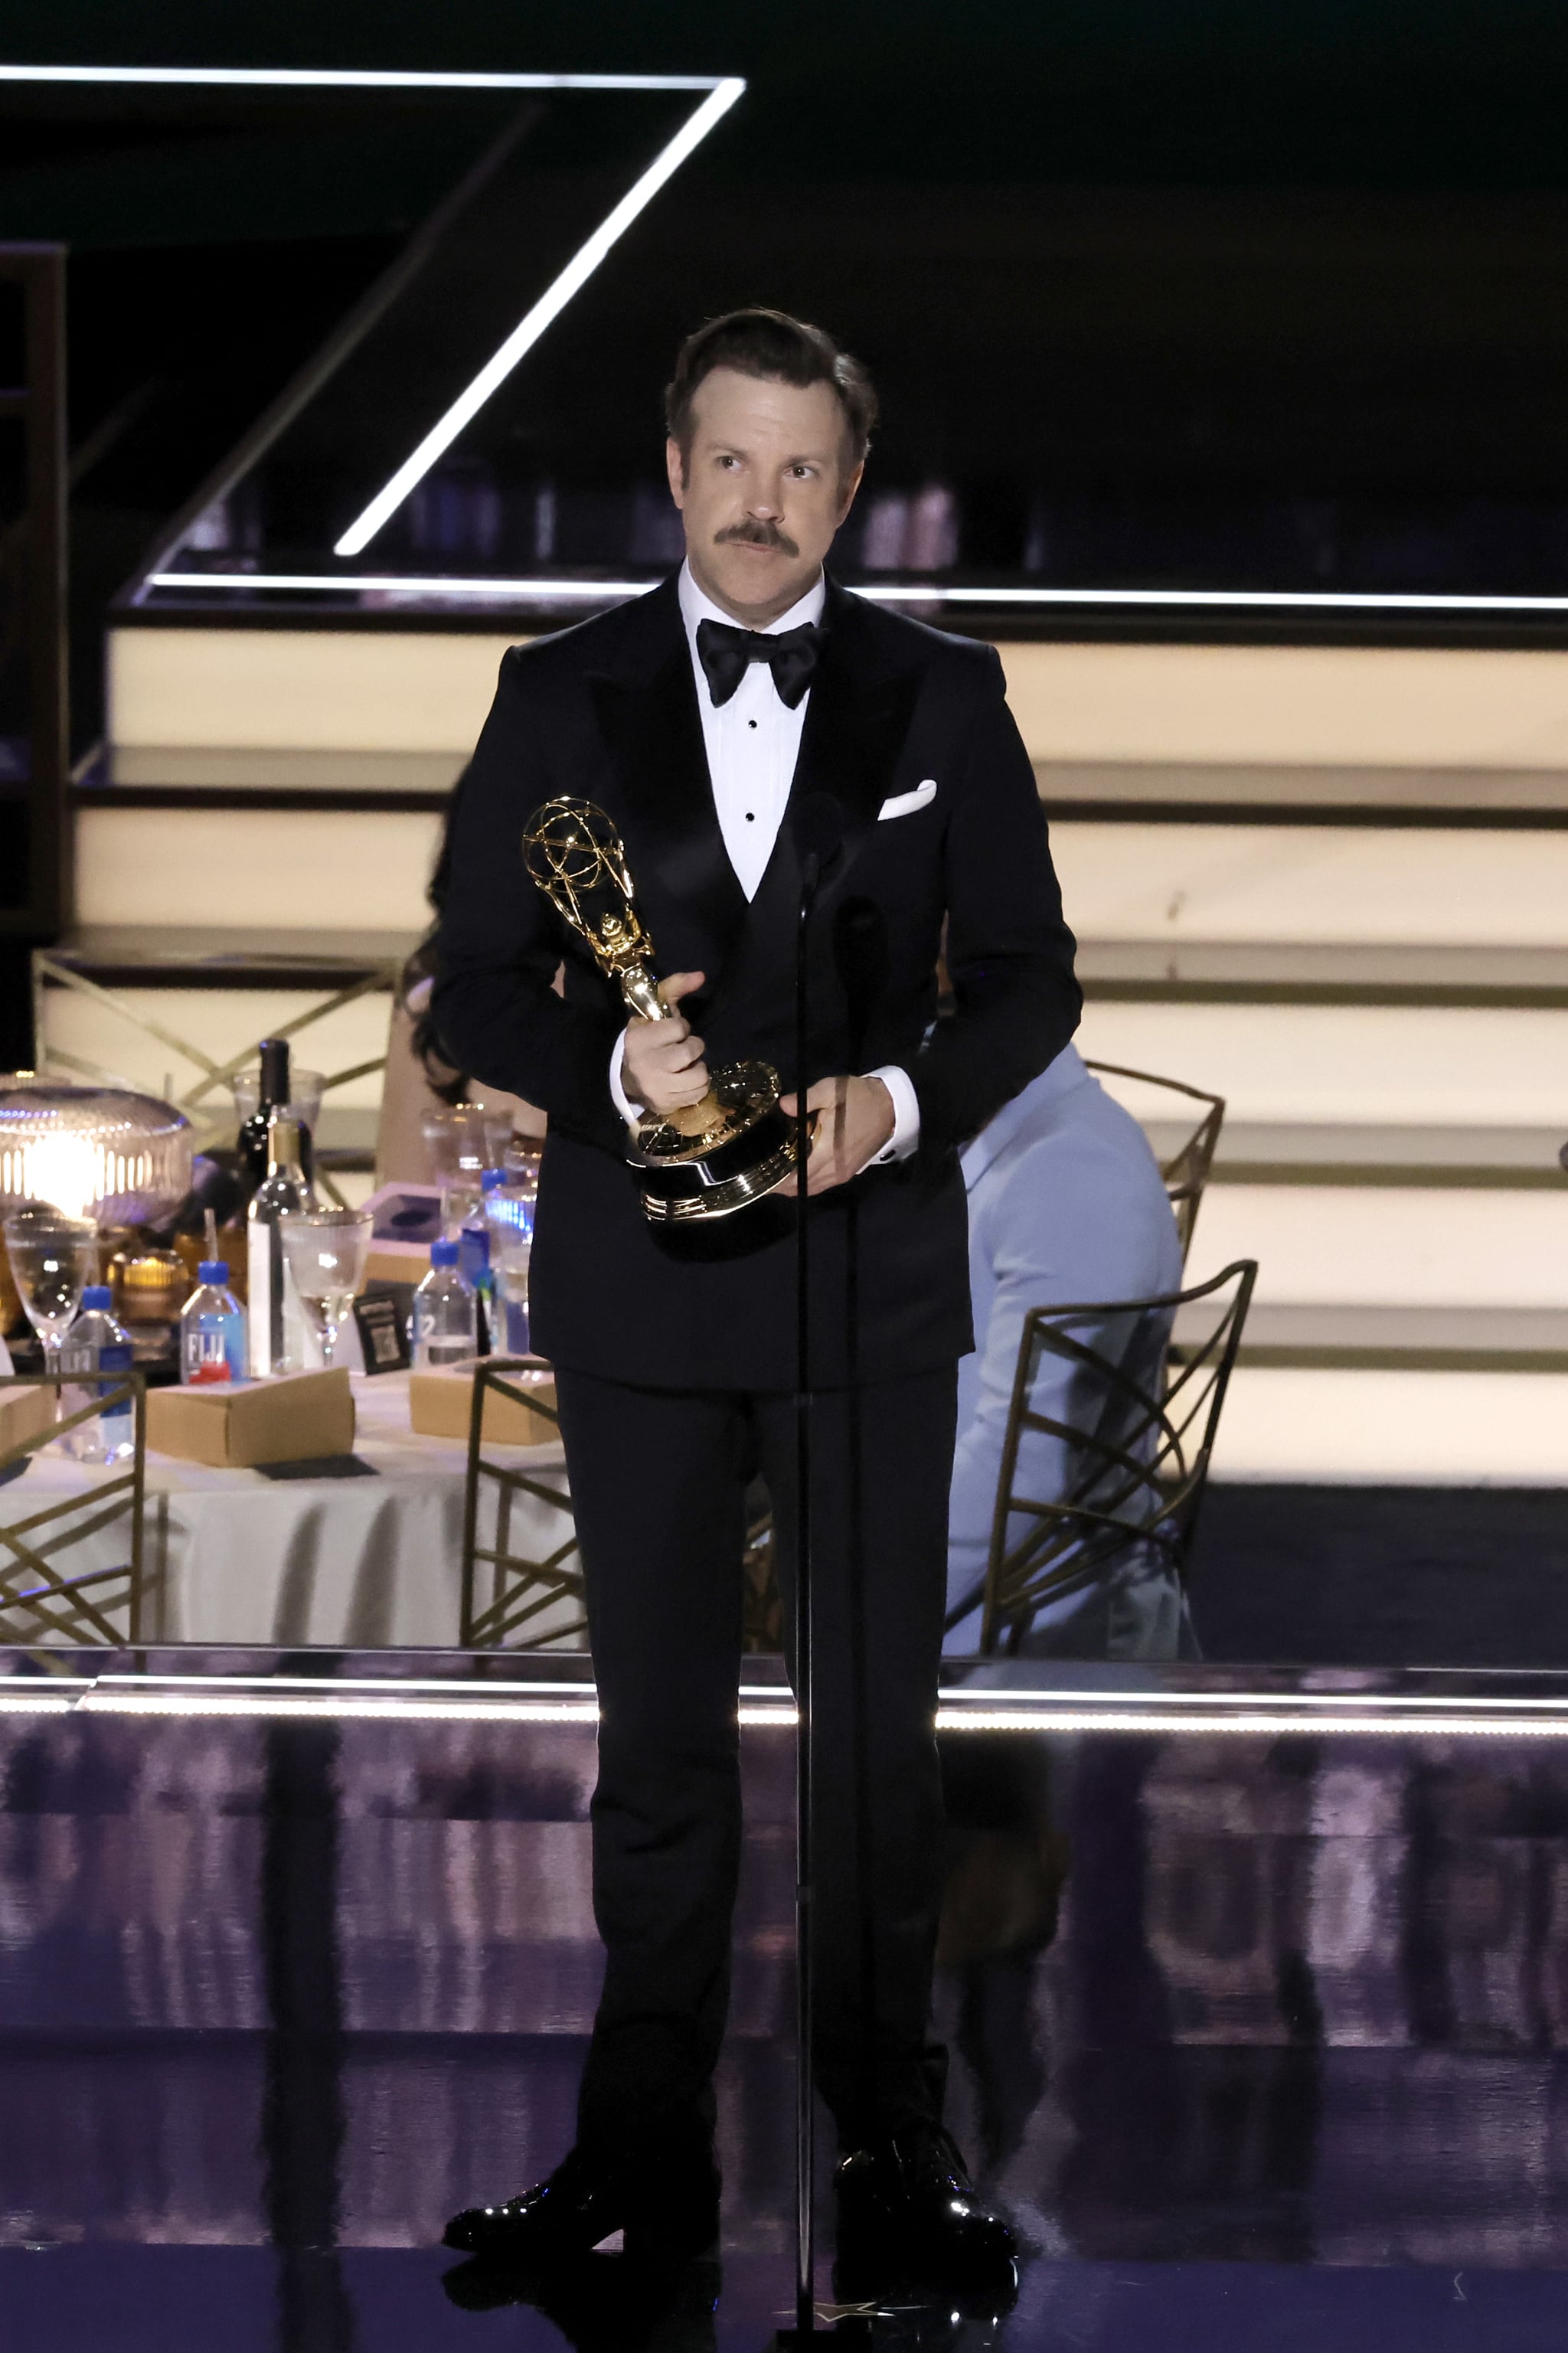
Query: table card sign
[[383, 1337], [26, 1410]]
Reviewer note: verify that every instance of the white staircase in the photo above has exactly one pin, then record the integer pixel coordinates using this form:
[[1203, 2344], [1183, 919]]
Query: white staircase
[[1330, 884]]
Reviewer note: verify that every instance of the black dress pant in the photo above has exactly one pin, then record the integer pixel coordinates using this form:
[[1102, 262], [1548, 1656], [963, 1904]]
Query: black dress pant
[[658, 1483]]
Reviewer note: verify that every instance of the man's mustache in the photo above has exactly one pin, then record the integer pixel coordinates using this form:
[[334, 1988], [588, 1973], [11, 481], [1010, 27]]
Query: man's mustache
[[755, 532]]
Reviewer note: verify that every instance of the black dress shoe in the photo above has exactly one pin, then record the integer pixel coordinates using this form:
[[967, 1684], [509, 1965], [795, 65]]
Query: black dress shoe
[[666, 2204], [909, 2212]]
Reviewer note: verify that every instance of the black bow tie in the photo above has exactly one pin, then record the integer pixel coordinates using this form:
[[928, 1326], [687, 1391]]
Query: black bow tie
[[792, 655]]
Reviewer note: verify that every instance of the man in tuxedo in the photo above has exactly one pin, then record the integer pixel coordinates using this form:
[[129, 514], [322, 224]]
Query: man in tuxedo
[[701, 717]]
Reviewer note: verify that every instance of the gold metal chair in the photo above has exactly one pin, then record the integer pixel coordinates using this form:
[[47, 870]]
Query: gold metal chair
[[1185, 1170], [520, 1591], [41, 1600], [1134, 1456]]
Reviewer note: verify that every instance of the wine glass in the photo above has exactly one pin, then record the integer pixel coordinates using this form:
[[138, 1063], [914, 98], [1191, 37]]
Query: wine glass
[[51, 1258], [509, 1212], [327, 1251], [457, 1150]]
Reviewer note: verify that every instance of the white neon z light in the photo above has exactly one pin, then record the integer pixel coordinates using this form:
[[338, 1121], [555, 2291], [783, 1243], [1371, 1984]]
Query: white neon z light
[[719, 94], [530, 328]]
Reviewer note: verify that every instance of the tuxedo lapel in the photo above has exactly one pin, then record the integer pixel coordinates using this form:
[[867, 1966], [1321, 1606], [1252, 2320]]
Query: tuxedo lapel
[[647, 713]]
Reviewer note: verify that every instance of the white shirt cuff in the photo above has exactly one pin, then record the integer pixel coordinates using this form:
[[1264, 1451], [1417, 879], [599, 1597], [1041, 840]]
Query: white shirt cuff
[[906, 1132], [631, 1112]]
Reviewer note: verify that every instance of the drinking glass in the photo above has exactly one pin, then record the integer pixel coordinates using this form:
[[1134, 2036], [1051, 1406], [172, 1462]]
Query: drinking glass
[[327, 1251], [51, 1258], [457, 1149], [305, 1090], [509, 1209]]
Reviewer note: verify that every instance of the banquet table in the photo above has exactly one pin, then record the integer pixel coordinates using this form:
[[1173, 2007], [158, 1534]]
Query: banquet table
[[357, 1562]]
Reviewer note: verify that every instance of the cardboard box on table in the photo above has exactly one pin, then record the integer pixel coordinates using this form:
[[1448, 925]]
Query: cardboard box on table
[[297, 1418], [23, 1412], [441, 1404]]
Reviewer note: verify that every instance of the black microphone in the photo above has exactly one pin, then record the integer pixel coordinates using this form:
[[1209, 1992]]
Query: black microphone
[[819, 824]]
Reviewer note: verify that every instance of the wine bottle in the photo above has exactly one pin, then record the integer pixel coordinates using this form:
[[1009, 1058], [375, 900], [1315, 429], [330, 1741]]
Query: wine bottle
[[276, 1317], [272, 1095]]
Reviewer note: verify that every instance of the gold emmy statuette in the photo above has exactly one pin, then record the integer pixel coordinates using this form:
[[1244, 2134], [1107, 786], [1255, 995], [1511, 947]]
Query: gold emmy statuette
[[711, 1157]]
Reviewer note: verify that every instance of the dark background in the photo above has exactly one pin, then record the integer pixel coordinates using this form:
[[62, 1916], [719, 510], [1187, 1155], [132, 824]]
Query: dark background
[[1247, 294]]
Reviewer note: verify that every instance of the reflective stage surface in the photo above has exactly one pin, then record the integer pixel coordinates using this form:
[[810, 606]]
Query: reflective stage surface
[[1259, 2033]]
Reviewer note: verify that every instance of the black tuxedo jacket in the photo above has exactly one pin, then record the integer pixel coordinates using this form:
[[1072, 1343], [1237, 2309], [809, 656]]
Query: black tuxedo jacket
[[608, 711]]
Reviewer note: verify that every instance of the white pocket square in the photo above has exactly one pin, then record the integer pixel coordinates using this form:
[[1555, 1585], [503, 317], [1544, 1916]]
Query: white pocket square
[[905, 804]]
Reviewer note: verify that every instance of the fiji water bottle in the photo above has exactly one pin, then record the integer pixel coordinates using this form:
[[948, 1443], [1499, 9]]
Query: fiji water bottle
[[212, 1330], [445, 1314], [95, 1344]]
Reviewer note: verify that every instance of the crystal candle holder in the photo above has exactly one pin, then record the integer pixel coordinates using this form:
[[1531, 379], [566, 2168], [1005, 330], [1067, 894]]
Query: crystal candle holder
[[103, 1153]]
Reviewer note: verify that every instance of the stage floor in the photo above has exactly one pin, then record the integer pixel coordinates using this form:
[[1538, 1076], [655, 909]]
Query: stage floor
[[1256, 1987]]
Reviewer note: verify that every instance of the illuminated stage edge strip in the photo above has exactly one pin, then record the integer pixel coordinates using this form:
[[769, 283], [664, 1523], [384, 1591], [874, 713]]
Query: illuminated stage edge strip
[[917, 593], [1170, 1716]]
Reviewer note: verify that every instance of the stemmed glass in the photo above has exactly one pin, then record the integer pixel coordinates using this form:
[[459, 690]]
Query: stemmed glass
[[52, 1260], [327, 1251], [509, 1212], [459, 1145]]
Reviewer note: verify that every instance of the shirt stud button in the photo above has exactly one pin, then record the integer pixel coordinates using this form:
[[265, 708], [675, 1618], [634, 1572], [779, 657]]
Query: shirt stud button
[[750, 818]]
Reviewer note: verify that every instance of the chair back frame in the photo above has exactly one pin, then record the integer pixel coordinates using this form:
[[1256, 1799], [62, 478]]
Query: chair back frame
[[60, 1607], [1186, 1172], [520, 1590], [1144, 1487]]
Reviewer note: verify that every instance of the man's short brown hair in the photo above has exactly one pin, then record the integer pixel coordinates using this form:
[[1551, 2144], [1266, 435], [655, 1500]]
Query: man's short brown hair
[[772, 345]]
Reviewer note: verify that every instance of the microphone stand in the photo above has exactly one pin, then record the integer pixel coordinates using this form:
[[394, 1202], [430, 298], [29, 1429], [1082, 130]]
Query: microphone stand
[[819, 832], [804, 2120]]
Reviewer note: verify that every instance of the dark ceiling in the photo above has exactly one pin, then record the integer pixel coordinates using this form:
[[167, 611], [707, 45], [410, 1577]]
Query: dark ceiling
[[1368, 93]]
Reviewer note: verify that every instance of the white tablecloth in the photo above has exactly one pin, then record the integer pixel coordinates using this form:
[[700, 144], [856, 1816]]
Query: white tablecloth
[[235, 1556]]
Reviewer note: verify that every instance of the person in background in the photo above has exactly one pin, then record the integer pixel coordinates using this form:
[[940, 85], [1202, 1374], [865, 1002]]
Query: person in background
[[420, 1076], [1066, 1203]]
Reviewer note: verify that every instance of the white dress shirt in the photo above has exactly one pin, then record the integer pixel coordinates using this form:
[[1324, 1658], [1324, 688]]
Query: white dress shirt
[[752, 743]]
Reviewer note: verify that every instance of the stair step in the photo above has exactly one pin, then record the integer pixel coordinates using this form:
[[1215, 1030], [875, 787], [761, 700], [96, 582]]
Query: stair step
[[189, 703], [1271, 972], [1426, 1248], [1254, 886], [1394, 1425], [382, 797], [1284, 793], [1362, 1064], [376, 683], [1408, 1339], [337, 870], [1132, 892], [175, 955], [1259, 1152], [219, 992]]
